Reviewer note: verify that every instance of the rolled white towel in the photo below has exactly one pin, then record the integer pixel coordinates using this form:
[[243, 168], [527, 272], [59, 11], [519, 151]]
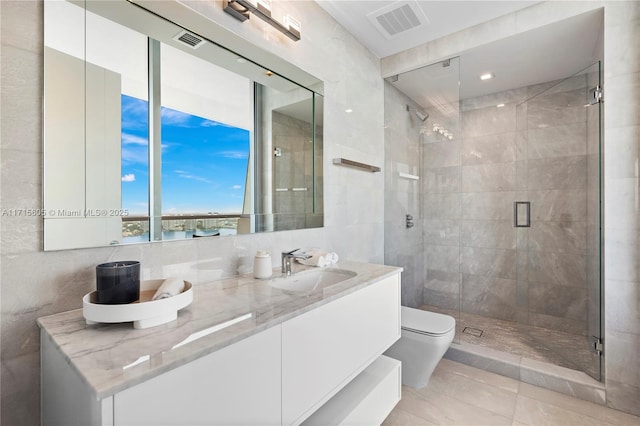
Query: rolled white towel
[[334, 258], [169, 287], [314, 260]]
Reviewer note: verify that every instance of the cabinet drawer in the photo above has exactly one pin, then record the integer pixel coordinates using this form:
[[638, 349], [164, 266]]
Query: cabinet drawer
[[323, 349], [239, 384]]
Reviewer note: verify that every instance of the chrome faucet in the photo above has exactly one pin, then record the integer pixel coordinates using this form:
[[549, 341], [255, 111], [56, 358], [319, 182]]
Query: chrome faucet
[[287, 260]]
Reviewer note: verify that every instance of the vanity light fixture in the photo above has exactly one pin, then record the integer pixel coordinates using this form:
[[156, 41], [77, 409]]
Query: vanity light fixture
[[242, 9], [486, 76]]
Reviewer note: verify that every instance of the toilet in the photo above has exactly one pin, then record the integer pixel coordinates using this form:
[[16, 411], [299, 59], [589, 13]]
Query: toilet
[[425, 338]]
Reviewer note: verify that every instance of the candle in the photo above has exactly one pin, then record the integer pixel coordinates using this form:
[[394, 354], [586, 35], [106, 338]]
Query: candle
[[118, 282]]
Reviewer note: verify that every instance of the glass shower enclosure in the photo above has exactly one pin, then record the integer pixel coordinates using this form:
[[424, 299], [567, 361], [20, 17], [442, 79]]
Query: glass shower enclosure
[[503, 192]]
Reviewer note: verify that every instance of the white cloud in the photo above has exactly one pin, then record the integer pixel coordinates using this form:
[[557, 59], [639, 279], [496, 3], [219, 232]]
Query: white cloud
[[173, 117], [129, 139], [135, 155], [129, 177], [234, 154], [188, 175], [236, 186]]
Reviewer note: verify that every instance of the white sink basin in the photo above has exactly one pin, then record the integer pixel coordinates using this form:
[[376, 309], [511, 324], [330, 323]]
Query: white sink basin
[[310, 280]]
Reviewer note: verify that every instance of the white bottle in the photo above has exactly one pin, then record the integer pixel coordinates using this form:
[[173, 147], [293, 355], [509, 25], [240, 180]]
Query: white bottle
[[262, 265]]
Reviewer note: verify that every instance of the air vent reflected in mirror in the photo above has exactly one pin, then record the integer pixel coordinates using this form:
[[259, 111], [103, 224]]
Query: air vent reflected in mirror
[[191, 40]]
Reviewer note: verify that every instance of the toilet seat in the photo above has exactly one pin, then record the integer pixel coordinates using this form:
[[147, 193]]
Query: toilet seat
[[425, 322]]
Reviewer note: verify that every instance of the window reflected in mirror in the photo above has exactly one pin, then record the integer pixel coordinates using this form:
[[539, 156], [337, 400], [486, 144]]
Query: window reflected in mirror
[[168, 135]]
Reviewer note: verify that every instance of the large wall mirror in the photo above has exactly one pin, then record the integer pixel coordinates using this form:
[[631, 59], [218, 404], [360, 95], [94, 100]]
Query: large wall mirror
[[153, 132]]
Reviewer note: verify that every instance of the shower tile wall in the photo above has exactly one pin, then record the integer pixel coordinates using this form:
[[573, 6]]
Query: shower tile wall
[[533, 151], [295, 170], [403, 246]]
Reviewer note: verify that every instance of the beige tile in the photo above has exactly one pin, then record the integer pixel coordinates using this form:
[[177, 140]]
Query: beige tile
[[442, 232], [488, 234], [488, 205], [560, 268], [443, 258], [489, 177], [557, 173], [490, 262], [622, 100], [478, 375], [488, 121], [558, 141], [558, 236], [498, 148], [465, 387], [489, 296], [623, 313], [559, 205], [399, 417], [535, 412], [442, 206], [624, 397], [441, 180], [586, 408], [442, 154], [442, 409]]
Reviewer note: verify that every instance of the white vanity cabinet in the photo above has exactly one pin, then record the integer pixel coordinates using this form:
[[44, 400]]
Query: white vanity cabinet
[[239, 384], [324, 349], [310, 366]]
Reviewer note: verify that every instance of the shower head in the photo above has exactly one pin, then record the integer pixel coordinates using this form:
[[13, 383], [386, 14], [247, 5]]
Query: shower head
[[421, 115]]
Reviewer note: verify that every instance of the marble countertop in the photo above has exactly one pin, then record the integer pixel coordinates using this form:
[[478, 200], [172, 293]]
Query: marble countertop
[[114, 357]]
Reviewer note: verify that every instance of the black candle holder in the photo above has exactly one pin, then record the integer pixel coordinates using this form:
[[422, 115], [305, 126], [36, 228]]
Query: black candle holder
[[118, 282]]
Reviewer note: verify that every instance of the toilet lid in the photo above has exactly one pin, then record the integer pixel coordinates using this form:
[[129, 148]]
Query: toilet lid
[[426, 322]]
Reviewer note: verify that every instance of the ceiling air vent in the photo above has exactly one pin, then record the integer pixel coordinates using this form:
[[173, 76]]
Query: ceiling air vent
[[191, 40], [398, 17]]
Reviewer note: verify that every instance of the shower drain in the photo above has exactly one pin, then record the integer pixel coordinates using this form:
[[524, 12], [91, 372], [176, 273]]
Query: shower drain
[[473, 331]]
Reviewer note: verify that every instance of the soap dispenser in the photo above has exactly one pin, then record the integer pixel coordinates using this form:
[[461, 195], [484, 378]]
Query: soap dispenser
[[262, 265]]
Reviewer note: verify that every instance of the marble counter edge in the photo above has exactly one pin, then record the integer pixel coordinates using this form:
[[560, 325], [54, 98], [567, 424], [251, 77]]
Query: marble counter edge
[[111, 386]]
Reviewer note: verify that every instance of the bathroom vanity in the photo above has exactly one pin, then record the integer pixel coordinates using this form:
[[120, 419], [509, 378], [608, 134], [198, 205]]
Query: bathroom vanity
[[244, 352]]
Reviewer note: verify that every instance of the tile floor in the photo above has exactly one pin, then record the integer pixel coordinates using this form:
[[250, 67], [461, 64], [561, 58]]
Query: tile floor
[[540, 344], [458, 394]]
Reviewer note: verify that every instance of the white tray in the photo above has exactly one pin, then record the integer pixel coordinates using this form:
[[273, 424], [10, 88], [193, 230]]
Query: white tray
[[144, 313]]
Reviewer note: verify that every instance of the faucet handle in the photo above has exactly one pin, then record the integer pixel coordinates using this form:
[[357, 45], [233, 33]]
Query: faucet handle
[[290, 252]]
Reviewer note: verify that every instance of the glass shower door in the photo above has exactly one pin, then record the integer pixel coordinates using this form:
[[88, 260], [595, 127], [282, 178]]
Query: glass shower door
[[422, 184], [557, 221]]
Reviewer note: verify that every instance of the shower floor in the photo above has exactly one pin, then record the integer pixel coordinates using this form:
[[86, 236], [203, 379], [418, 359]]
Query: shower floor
[[540, 344]]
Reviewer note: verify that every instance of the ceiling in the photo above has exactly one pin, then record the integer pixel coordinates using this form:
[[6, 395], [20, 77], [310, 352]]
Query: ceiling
[[544, 54], [442, 18]]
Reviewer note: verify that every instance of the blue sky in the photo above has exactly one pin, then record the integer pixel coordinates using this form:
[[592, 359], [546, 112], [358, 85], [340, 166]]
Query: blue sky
[[204, 163]]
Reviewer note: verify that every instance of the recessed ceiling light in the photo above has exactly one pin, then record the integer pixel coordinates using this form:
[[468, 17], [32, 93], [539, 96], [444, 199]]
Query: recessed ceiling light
[[486, 76], [500, 105], [348, 110]]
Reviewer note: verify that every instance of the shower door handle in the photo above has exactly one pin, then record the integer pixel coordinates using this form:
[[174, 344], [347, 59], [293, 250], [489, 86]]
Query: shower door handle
[[522, 214]]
